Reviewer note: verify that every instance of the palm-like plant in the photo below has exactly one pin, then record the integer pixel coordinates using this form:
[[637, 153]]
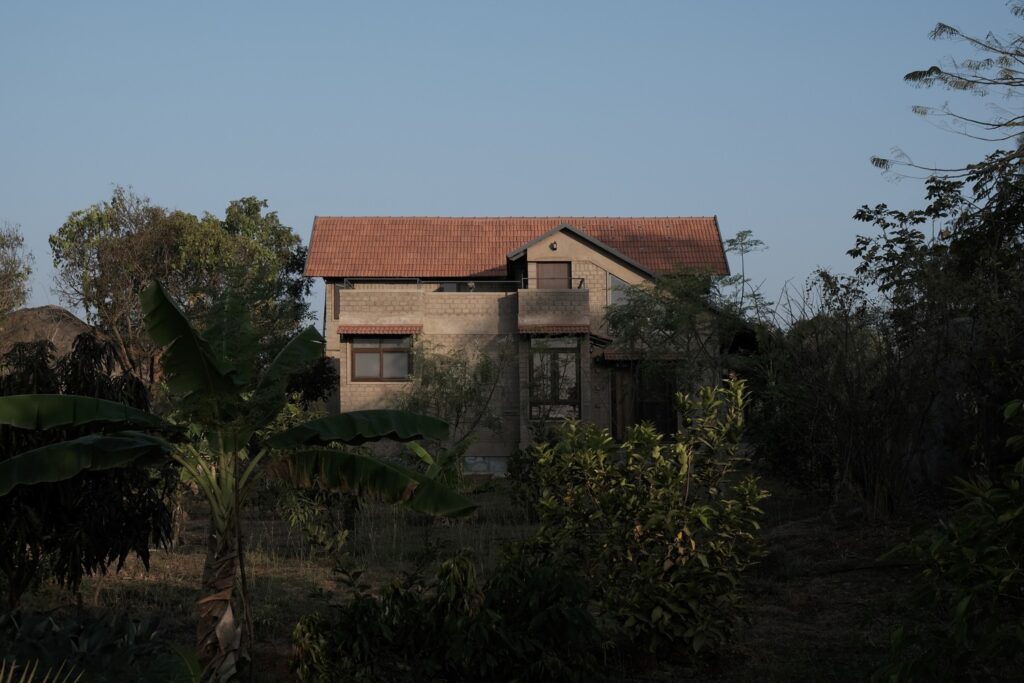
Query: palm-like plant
[[219, 438]]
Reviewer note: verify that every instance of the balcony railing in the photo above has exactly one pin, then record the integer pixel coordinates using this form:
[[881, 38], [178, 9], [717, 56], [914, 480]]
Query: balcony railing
[[452, 286], [554, 283]]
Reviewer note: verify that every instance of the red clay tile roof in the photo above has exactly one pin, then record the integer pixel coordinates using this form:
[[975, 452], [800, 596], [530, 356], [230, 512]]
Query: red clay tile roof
[[380, 329], [554, 329], [397, 246]]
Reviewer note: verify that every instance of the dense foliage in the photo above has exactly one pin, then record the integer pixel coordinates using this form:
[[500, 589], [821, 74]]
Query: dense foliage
[[217, 268], [528, 622], [225, 432], [15, 269], [70, 529], [661, 531], [970, 589], [641, 551], [109, 649], [886, 382]]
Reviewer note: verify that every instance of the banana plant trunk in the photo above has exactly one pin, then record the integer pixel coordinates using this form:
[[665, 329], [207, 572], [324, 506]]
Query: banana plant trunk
[[220, 635]]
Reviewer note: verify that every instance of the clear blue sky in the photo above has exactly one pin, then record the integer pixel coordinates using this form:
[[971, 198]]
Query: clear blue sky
[[764, 113]]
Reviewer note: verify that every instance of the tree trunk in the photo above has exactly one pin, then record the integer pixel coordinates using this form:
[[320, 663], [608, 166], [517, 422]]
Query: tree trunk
[[219, 635]]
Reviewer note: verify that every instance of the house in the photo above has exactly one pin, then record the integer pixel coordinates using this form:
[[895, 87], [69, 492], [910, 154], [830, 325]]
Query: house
[[540, 285]]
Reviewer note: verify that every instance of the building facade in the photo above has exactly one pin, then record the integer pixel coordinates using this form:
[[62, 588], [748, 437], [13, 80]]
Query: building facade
[[532, 292]]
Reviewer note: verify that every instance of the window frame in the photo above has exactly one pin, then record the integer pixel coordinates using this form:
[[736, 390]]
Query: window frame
[[380, 351], [552, 400], [615, 288]]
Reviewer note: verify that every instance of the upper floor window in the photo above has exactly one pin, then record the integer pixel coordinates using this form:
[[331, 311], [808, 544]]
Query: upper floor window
[[381, 358], [617, 290]]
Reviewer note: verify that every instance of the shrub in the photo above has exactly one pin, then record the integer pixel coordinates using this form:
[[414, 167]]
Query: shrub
[[661, 530], [972, 587], [109, 648], [529, 622]]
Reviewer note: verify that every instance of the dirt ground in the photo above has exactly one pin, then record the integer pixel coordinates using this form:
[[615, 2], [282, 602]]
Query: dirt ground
[[819, 606]]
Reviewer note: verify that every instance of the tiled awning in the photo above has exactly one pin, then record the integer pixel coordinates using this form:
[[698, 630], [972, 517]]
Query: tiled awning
[[554, 329], [380, 329]]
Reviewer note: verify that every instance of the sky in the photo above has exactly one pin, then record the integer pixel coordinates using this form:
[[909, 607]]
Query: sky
[[763, 113]]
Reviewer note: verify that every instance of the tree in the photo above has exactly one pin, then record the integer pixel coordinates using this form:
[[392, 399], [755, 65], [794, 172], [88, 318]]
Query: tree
[[247, 262], [222, 451], [458, 386], [683, 324], [63, 530], [15, 269], [998, 69]]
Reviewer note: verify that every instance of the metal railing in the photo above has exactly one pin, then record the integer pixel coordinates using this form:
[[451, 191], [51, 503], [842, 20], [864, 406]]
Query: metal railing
[[554, 283], [455, 286], [452, 286]]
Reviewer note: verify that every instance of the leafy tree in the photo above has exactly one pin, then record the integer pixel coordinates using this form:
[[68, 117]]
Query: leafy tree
[[69, 529], [458, 386], [106, 254], [15, 269], [223, 451]]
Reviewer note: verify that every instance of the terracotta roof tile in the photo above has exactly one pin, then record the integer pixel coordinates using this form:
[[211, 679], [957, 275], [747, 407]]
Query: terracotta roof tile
[[437, 247], [380, 329]]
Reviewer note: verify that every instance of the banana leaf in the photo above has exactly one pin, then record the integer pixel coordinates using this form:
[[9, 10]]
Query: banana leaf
[[190, 365], [269, 397], [370, 478], [360, 426], [65, 460], [50, 411]]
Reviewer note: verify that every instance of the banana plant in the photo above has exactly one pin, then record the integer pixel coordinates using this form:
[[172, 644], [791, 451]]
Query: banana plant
[[219, 439]]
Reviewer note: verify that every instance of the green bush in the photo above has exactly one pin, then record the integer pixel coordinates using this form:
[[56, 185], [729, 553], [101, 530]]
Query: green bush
[[108, 648], [661, 530], [971, 587], [529, 622]]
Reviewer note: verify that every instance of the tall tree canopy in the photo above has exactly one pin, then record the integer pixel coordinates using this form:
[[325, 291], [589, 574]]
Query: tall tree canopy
[[15, 268], [241, 270]]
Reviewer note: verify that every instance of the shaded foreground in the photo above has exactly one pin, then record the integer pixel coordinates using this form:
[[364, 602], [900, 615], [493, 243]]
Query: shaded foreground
[[819, 606]]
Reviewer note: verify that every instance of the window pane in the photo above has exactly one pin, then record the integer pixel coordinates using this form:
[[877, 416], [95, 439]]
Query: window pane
[[394, 342], [543, 377], [554, 342], [552, 411], [396, 365], [567, 380], [366, 343], [366, 365], [617, 288]]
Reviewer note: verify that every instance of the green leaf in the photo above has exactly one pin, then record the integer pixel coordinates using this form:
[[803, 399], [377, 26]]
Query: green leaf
[[188, 361], [50, 411], [64, 460], [296, 356], [361, 426], [371, 478], [269, 397]]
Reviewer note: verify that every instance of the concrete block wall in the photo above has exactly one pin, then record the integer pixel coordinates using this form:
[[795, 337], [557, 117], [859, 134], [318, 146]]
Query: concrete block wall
[[554, 307], [484, 322]]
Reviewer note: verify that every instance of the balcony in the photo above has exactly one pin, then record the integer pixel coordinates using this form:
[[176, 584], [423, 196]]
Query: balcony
[[554, 307]]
